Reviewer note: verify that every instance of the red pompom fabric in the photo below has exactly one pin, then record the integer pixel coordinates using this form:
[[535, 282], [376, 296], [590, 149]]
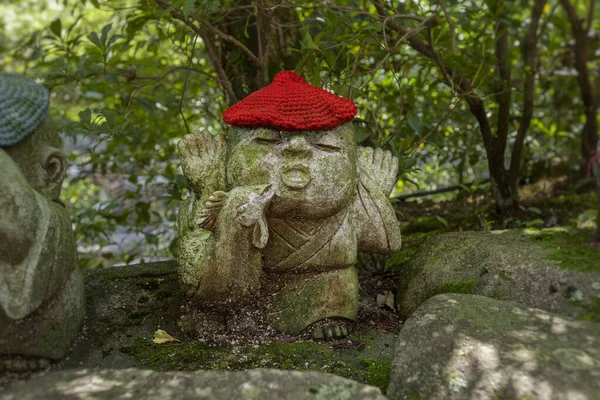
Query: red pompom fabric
[[291, 104]]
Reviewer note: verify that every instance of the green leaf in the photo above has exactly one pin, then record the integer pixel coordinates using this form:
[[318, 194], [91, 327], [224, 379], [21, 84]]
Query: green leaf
[[104, 35], [112, 78], [110, 116], [95, 3], [361, 133], [331, 58], [442, 220], [415, 123], [85, 116], [56, 27], [535, 210], [93, 37], [309, 41], [188, 7]]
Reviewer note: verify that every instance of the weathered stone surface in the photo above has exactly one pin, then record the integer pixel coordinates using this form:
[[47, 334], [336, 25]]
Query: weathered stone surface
[[144, 384], [41, 293], [48, 331], [459, 346], [504, 265], [268, 201]]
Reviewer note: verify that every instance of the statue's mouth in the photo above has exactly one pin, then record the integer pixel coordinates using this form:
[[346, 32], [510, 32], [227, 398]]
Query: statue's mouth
[[295, 176]]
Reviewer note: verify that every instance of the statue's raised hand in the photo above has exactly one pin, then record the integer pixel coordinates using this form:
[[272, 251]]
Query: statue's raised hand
[[202, 156], [252, 213], [378, 166]]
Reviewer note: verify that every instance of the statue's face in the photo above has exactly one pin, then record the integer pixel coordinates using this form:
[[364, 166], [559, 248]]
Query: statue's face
[[313, 172], [43, 166]]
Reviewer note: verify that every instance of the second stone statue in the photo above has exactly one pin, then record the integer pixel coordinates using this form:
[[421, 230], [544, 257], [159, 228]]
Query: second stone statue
[[279, 210]]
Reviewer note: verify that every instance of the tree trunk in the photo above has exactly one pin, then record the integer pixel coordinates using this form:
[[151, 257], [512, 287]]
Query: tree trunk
[[589, 134]]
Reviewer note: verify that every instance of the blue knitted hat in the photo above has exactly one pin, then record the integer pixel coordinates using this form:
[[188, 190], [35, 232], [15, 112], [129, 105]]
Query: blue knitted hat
[[23, 106]]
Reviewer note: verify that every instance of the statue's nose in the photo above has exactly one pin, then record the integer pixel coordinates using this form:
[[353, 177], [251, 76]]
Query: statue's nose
[[297, 146]]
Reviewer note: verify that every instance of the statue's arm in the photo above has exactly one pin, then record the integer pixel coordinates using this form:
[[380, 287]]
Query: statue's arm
[[18, 219], [376, 224], [220, 252]]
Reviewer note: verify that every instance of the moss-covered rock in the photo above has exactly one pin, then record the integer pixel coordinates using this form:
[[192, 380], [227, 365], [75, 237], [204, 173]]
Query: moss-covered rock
[[423, 225], [458, 346], [554, 269]]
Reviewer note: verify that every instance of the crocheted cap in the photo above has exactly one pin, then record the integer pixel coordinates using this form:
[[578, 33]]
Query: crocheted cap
[[23, 106], [291, 104]]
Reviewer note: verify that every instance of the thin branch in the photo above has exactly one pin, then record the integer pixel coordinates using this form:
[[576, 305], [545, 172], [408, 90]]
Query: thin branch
[[185, 85], [529, 57], [547, 20], [223, 78], [205, 24], [504, 92], [451, 25], [590, 16], [219, 67], [451, 108]]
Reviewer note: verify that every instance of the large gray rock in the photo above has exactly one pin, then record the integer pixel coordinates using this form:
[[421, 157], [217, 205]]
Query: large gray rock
[[505, 265], [144, 384], [458, 346]]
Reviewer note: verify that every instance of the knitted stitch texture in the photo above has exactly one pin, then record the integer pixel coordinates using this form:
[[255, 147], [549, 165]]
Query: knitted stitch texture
[[23, 106], [289, 103]]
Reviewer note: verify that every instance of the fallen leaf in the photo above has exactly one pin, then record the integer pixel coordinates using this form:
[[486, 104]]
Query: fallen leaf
[[161, 336], [386, 299]]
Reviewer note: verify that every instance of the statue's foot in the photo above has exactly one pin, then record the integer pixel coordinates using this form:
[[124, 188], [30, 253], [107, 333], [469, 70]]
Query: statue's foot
[[331, 328]]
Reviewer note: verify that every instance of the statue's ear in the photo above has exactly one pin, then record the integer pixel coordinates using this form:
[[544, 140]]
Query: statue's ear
[[54, 163]]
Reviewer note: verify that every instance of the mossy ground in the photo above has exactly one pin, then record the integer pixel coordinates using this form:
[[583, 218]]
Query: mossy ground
[[362, 360], [125, 310]]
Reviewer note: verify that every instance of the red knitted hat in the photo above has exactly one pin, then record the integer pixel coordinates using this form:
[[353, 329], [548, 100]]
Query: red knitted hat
[[291, 104]]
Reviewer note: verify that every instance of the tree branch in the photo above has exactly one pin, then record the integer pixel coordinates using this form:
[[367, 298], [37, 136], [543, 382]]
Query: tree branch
[[207, 25], [224, 80], [590, 16], [442, 3], [455, 80], [219, 67], [503, 92], [529, 57], [580, 34]]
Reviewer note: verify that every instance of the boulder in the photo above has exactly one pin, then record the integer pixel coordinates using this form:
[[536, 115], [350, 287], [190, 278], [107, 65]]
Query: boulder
[[507, 265], [144, 384], [458, 346]]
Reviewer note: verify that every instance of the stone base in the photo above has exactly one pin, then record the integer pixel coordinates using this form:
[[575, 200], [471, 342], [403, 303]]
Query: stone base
[[50, 330], [299, 300]]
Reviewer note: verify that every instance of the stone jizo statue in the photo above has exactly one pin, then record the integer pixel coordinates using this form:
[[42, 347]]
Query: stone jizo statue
[[280, 208], [41, 291]]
